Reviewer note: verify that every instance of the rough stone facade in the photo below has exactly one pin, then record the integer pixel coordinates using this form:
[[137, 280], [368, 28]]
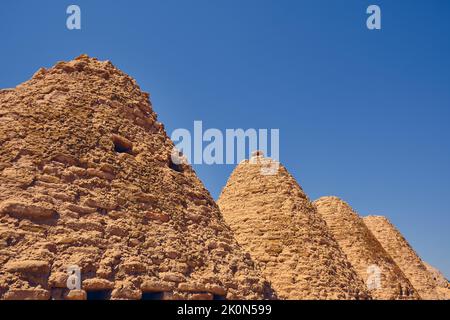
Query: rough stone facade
[[443, 286], [274, 220], [363, 250], [404, 256], [86, 179]]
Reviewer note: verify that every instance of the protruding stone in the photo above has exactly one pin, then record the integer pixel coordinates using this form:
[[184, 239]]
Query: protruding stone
[[76, 295], [58, 279], [80, 209], [201, 296], [157, 286], [191, 287], [28, 266], [99, 174], [95, 284], [131, 267], [173, 277], [19, 209], [27, 294], [126, 291], [158, 216], [216, 289]]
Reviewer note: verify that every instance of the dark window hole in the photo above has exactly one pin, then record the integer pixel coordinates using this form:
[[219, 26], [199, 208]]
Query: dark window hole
[[122, 145], [175, 167], [99, 295], [10, 241], [217, 297], [152, 295]]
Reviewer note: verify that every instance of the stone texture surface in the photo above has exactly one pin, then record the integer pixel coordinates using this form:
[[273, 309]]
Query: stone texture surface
[[437, 276], [277, 224], [363, 249], [86, 179], [404, 256], [443, 286]]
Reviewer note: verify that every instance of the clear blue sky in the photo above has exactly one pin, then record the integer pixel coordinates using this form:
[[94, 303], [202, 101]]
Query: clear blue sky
[[362, 114]]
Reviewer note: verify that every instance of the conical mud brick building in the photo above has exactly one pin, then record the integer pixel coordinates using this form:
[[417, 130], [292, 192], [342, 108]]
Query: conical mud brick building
[[443, 286], [404, 255], [364, 251], [86, 180], [273, 220]]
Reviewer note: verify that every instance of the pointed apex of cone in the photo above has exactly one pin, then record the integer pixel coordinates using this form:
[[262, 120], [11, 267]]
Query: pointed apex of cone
[[83, 64], [441, 280], [274, 220], [258, 153], [404, 255], [87, 182], [84, 56], [330, 199], [363, 250], [376, 217]]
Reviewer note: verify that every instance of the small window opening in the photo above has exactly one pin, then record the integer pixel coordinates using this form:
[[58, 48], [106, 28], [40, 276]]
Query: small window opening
[[175, 167], [99, 295], [218, 297], [121, 144], [152, 295]]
